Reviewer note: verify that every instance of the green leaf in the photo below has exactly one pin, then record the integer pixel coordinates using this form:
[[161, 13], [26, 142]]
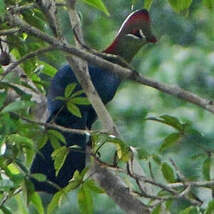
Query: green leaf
[[98, 4], [93, 186], [179, 5], [190, 210], [123, 152], [210, 208], [142, 154], [80, 100], [39, 177], [170, 121], [43, 141], [59, 157], [55, 202], [147, 4], [2, 8], [37, 202], [54, 142], [57, 134], [77, 93], [73, 109], [157, 210], [3, 97], [69, 89], [157, 159], [22, 140], [206, 168], [76, 180], [5, 210], [17, 105], [169, 141], [47, 69], [173, 121], [168, 172], [28, 190], [208, 3], [85, 200]]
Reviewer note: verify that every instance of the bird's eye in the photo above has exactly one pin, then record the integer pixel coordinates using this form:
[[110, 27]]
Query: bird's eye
[[138, 33]]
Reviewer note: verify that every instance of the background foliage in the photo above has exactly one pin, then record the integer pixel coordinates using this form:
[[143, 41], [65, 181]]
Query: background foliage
[[160, 126]]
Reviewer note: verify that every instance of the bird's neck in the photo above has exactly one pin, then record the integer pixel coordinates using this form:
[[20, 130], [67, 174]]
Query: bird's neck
[[123, 47]]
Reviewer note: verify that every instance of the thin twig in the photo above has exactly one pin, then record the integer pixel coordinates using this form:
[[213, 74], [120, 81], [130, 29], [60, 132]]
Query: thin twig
[[58, 127], [26, 57], [9, 31]]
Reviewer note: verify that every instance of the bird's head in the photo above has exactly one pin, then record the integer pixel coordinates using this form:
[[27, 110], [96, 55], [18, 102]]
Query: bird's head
[[133, 34]]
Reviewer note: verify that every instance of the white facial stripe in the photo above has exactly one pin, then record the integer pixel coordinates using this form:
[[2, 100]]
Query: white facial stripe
[[132, 35], [142, 34]]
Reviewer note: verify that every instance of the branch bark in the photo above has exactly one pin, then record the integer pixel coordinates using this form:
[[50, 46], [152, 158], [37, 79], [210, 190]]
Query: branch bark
[[125, 73], [111, 184]]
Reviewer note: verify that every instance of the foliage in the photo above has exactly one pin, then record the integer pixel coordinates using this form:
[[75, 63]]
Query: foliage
[[172, 140]]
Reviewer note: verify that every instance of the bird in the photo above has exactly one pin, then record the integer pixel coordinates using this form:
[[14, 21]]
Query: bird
[[132, 35]]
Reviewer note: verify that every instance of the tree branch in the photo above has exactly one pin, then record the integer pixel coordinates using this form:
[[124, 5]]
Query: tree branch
[[112, 185], [123, 72]]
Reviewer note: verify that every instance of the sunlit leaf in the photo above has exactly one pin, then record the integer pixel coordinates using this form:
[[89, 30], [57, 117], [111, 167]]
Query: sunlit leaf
[[85, 200], [48, 69], [54, 202], [39, 177], [69, 89], [37, 202], [73, 109], [57, 134], [80, 101], [77, 93], [59, 157]]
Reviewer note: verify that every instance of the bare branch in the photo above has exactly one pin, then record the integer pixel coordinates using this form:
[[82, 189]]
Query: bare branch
[[119, 192]]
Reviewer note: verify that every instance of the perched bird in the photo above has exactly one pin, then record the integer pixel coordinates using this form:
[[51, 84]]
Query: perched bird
[[133, 34]]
